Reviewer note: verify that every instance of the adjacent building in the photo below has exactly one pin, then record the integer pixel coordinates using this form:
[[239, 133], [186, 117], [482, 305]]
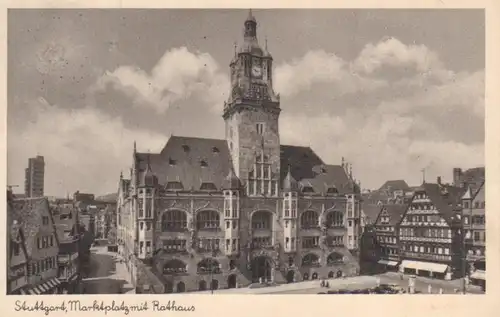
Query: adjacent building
[[386, 231], [34, 177], [33, 247], [210, 213], [430, 232], [68, 234]]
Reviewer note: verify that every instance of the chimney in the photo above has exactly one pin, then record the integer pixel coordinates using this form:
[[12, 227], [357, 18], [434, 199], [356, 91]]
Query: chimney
[[439, 180]]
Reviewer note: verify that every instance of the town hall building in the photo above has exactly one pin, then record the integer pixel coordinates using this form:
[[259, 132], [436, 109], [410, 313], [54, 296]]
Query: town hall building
[[209, 213]]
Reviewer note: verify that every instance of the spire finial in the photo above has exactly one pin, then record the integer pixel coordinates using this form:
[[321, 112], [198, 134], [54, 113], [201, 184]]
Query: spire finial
[[266, 42], [235, 48], [135, 147], [350, 170], [121, 174], [149, 161]]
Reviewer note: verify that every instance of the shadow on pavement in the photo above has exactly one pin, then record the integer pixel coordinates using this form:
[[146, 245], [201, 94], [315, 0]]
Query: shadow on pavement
[[105, 286], [102, 265]]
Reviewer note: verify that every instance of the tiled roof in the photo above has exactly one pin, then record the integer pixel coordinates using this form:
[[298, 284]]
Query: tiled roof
[[371, 212], [29, 212], [446, 198], [395, 185], [395, 212], [375, 196], [193, 161]]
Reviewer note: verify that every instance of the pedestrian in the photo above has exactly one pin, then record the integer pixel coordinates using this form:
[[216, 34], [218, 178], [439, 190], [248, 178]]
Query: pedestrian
[[429, 289]]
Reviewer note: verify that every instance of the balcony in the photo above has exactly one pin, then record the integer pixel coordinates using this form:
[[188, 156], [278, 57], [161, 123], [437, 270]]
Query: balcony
[[208, 270]]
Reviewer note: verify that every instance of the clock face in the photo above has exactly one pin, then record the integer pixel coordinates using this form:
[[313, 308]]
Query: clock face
[[256, 71]]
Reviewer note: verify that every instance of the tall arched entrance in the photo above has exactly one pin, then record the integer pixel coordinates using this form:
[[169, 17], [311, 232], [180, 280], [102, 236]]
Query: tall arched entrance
[[261, 268], [202, 286], [181, 287], [290, 276], [231, 281]]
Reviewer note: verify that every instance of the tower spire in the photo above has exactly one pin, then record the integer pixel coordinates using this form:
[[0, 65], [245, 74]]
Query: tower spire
[[135, 147]]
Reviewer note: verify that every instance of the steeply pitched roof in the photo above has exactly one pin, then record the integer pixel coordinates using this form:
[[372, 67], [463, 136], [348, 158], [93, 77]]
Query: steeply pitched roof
[[193, 161], [393, 185], [30, 212], [446, 198], [371, 212], [395, 212]]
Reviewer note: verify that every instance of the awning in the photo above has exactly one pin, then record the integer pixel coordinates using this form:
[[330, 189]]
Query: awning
[[22, 292], [50, 284], [42, 288], [387, 262], [479, 275], [424, 266]]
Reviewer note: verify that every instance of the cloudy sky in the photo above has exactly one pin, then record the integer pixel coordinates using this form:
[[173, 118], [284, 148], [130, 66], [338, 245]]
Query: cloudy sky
[[393, 91]]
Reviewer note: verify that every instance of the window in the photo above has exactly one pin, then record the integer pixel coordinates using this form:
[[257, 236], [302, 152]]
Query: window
[[260, 128], [228, 225], [262, 220], [261, 242], [148, 226], [310, 260], [235, 224], [39, 243], [466, 204], [148, 246], [16, 248], [51, 241], [309, 219], [141, 247], [208, 219], [141, 225], [477, 236], [205, 245], [45, 220], [174, 245], [185, 148], [447, 251], [335, 219], [287, 242], [203, 163], [174, 220], [440, 250], [476, 204], [310, 242]]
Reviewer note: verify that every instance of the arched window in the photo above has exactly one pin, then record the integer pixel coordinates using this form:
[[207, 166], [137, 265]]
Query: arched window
[[309, 219], [310, 260], [207, 219], [335, 258], [174, 267], [262, 220], [174, 220], [208, 265], [335, 219]]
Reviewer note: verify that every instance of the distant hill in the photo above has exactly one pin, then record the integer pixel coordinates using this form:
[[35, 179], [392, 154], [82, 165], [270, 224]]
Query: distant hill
[[111, 198]]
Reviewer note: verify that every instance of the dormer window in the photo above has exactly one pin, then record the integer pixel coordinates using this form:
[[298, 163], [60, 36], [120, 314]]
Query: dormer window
[[208, 187], [332, 190], [172, 162], [185, 148], [215, 150], [174, 186], [203, 163], [323, 170], [307, 189]]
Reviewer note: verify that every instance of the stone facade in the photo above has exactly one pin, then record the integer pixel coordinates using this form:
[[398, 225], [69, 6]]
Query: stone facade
[[208, 213]]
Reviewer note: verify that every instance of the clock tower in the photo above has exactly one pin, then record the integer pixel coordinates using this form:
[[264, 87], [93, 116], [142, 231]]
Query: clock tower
[[251, 116]]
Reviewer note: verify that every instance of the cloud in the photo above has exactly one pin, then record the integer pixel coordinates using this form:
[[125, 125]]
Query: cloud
[[391, 111], [317, 67], [178, 75], [84, 151]]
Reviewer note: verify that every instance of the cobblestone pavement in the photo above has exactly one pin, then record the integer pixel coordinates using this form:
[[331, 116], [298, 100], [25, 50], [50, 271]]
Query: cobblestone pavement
[[107, 275]]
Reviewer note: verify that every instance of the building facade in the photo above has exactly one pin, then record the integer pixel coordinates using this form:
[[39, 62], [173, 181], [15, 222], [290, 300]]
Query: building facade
[[35, 177], [207, 213], [430, 232], [68, 234], [387, 234], [35, 247]]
